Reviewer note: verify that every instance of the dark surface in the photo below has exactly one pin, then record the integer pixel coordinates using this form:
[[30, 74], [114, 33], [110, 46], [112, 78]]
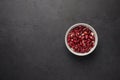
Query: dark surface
[[32, 40]]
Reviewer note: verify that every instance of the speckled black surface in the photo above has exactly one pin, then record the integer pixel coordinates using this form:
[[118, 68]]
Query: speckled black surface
[[32, 40]]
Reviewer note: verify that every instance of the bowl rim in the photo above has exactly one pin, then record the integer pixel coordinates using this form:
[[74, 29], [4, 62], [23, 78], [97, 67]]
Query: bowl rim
[[88, 26]]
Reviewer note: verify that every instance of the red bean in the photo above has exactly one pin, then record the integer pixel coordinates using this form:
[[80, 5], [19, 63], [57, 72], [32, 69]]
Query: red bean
[[81, 39]]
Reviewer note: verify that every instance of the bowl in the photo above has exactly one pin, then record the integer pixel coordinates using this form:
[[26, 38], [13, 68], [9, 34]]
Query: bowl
[[95, 39]]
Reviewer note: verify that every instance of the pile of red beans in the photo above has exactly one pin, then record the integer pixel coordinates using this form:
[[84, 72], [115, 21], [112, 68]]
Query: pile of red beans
[[81, 39]]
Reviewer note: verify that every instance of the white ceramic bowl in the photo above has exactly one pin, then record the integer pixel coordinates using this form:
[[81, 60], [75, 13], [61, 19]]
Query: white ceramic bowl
[[95, 44]]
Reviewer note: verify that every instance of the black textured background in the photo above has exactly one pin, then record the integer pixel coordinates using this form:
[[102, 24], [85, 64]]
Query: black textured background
[[32, 40]]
